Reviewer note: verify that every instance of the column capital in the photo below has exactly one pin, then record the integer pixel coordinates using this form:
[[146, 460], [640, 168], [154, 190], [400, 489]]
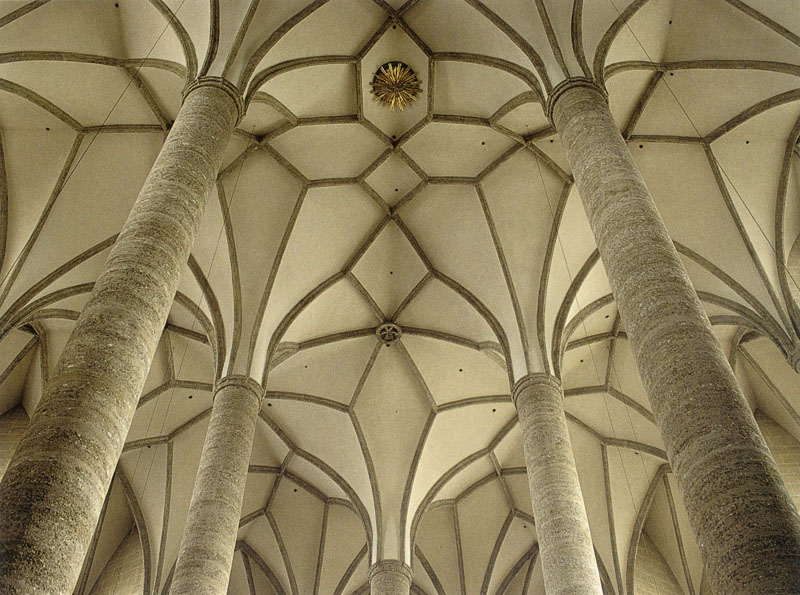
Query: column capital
[[566, 85], [220, 83], [240, 381], [531, 380], [393, 566]]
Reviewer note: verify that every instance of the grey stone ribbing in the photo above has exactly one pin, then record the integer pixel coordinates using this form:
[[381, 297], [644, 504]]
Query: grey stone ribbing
[[745, 523], [209, 539], [565, 543], [389, 577], [54, 488]]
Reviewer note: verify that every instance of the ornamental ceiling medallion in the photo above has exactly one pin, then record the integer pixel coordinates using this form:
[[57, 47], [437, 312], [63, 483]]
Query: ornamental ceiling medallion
[[395, 84], [388, 333]]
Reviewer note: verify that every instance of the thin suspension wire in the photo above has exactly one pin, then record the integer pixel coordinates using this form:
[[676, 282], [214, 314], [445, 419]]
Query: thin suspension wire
[[586, 331], [697, 131], [199, 300], [74, 166]]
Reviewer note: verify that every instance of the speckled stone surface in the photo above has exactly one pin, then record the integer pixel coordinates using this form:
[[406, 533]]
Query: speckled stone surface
[[389, 577], [54, 488], [745, 523], [209, 538], [565, 543]]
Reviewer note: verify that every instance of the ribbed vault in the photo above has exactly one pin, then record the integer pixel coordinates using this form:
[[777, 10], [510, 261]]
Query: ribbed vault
[[457, 219]]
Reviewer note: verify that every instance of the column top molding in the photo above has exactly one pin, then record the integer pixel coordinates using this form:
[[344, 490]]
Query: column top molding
[[390, 566], [220, 83], [532, 380], [240, 381], [568, 84]]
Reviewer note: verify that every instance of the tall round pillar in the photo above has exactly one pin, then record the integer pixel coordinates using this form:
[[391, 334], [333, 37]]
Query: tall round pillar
[[565, 543], [744, 521], [390, 577], [54, 488], [209, 538]]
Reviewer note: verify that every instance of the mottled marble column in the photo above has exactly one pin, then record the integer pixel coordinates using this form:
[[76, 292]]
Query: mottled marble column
[[53, 490], [565, 543], [389, 577], [744, 521], [209, 538]]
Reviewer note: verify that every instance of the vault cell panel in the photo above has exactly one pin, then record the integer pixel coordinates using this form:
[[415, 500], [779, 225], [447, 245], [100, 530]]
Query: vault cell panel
[[344, 537], [268, 449], [436, 539], [464, 478], [90, 27], [520, 197], [526, 118], [692, 204], [389, 269], [331, 370], [261, 117], [439, 308], [339, 309], [392, 403], [298, 515], [115, 100], [334, 90], [509, 451], [143, 34], [520, 538], [449, 442], [237, 582], [339, 27], [454, 26], [110, 174], [393, 179], [260, 537], [450, 225], [165, 87], [481, 519], [329, 150], [328, 435], [520, 492], [257, 491], [703, 31], [712, 97], [663, 115], [645, 34], [332, 224], [447, 149], [454, 372], [316, 477]]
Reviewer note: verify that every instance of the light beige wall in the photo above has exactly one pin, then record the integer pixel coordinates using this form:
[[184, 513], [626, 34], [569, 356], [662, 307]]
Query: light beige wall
[[12, 425], [124, 573], [786, 451], [652, 575]]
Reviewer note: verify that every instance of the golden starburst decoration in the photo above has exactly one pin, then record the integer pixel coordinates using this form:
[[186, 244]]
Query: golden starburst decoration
[[395, 84]]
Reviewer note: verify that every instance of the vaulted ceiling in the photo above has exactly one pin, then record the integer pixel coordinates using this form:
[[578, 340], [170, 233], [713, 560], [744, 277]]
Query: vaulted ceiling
[[456, 219]]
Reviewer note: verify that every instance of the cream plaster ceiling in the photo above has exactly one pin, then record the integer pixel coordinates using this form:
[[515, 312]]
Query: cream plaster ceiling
[[456, 218]]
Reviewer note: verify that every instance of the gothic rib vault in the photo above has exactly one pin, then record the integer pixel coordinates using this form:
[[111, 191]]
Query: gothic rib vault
[[456, 218]]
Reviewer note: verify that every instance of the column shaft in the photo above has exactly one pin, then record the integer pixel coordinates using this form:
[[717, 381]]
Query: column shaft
[[565, 543], [209, 538], [745, 524], [54, 488], [389, 577]]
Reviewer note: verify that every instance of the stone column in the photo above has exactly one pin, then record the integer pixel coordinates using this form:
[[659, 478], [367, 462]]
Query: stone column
[[565, 543], [744, 521], [390, 577], [54, 488], [209, 538]]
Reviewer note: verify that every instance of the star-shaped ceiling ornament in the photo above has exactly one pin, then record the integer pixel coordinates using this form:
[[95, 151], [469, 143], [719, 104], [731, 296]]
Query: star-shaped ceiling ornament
[[395, 84]]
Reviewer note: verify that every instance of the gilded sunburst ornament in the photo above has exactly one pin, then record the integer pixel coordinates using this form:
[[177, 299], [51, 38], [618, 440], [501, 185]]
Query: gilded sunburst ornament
[[396, 84]]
